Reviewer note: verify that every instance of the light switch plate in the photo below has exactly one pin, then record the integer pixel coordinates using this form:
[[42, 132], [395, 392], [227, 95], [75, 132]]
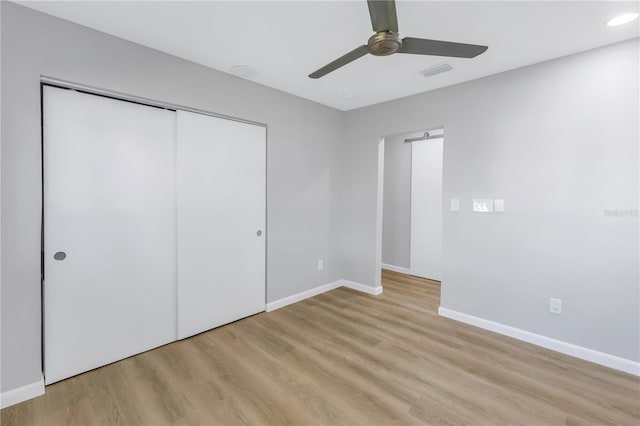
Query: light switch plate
[[498, 206], [454, 204], [482, 205]]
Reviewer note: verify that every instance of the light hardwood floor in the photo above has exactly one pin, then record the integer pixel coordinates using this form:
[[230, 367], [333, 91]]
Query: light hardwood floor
[[343, 357]]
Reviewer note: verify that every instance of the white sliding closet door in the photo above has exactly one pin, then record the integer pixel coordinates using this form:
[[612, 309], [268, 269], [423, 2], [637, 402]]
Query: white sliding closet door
[[426, 209], [109, 207], [221, 166]]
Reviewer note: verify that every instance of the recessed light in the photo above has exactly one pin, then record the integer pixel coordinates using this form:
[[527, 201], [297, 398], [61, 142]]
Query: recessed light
[[622, 19], [244, 71], [349, 95]]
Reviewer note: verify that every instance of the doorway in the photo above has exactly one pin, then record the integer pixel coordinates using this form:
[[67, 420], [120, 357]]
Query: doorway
[[410, 195]]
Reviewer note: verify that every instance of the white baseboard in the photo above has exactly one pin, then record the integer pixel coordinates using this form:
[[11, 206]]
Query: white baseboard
[[396, 268], [361, 287], [280, 303], [15, 396], [611, 361], [277, 304]]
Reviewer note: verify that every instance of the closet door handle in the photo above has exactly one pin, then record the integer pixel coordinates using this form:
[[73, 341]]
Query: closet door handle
[[259, 233], [60, 255]]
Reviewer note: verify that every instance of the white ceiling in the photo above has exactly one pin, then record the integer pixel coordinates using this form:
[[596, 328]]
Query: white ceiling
[[285, 41]]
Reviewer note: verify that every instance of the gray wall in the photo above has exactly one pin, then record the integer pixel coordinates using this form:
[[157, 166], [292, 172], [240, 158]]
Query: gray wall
[[559, 142], [396, 214], [303, 141]]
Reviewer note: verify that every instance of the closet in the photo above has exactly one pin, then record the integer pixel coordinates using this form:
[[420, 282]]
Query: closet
[[154, 227]]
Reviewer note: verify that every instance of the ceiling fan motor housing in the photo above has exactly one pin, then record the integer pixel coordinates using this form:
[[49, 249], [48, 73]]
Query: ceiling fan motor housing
[[384, 43]]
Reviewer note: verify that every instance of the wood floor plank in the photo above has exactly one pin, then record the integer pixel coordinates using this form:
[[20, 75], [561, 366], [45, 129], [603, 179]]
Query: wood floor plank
[[343, 358]]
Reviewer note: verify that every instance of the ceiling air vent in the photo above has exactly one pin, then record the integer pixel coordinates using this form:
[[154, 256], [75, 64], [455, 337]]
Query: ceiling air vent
[[436, 69]]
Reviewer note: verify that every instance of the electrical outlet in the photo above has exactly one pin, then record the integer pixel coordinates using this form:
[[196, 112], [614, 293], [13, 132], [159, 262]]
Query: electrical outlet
[[555, 306], [320, 264]]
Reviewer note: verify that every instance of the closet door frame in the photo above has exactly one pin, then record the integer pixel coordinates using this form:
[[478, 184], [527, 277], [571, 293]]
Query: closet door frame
[[91, 90]]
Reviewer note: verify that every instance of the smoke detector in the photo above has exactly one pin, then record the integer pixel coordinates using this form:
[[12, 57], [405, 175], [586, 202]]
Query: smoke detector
[[244, 71]]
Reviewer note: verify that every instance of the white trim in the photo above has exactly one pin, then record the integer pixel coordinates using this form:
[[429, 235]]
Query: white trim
[[379, 213], [611, 361], [361, 287], [145, 101], [280, 303], [23, 393], [396, 268]]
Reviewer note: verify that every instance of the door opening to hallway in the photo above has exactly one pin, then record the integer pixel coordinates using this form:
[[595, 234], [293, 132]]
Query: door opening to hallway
[[411, 240]]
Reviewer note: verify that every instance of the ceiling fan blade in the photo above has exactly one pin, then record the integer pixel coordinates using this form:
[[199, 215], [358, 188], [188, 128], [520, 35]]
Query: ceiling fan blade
[[383, 15], [420, 46], [343, 60]]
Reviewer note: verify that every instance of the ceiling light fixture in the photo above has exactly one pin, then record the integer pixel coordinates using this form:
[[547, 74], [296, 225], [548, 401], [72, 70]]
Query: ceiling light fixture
[[622, 19], [349, 95]]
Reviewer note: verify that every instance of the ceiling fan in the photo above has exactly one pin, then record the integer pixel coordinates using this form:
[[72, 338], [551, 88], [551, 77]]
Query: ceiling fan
[[386, 41]]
